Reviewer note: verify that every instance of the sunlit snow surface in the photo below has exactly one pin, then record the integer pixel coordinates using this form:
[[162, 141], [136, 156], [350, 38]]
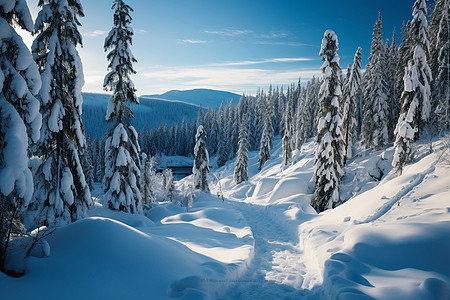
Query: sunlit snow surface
[[389, 241]]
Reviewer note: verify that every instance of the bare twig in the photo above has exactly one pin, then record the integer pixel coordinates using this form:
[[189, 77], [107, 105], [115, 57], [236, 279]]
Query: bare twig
[[37, 238]]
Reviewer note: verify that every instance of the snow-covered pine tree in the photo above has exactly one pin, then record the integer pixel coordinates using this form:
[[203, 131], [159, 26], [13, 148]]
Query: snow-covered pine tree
[[288, 134], [211, 127], [260, 111], [415, 100], [241, 110], [281, 109], [283, 115], [241, 165], [20, 119], [96, 160], [61, 189], [403, 56], [329, 141], [351, 98], [87, 163], [267, 136], [222, 151], [169, 185], [391, 79], [312, 107], [253, 138], [407, 127], [301, 125], [440, 49], [375, 125], [201, 161], [420, 34], [233, 129], [200, 116], [122, 164], [147, 173]]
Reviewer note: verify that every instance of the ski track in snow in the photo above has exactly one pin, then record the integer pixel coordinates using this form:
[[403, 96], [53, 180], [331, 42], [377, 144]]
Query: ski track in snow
[[276, 271], [404, 191]]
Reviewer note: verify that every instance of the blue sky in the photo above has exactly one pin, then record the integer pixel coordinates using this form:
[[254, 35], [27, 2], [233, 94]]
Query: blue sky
[[231, 45]]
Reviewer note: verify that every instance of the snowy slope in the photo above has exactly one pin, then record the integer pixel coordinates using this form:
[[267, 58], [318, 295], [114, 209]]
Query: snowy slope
[[389, 241], [150, 113], [170, 253], [206, 97]]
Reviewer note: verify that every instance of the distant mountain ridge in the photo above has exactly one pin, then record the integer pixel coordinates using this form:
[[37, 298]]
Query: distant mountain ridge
[[150, 113], [206, 97]]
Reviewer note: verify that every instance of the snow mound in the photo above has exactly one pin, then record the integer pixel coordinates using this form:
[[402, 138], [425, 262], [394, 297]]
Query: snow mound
[[389, 241], [103, 258], [287, 187], [172, 253]]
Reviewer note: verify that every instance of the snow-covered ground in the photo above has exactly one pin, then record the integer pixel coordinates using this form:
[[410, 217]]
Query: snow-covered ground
[[169, 253], [390, 240]]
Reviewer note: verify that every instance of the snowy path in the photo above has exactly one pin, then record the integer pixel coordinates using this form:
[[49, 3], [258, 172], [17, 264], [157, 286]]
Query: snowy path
[[275, 272]]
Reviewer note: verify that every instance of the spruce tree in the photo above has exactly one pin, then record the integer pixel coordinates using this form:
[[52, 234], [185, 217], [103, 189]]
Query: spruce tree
[[267, 136], [20, 119], [147, 174], [122, 164], [440, 55], [415, 100], [283, 116], [168, 184], [403, 56], [329, 141], [281, 110], [351, 99], [241, 165], [407, 126], [61, 188], [288, 132], [87, 162], [253, 138], [377, 113], [312, 107], [260, 111], [222, 151], [391, 79], [201, 161], [301, 126]]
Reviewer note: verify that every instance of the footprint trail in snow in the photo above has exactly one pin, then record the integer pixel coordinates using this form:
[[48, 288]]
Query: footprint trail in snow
[[276, 271]]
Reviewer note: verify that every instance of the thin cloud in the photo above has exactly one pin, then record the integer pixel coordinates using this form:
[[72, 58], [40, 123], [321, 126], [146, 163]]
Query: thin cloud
[[226, 77], [95, 33], [141, 31], [191, 41], [290, 44], [229, 32], [274, 35], [264, 61]]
